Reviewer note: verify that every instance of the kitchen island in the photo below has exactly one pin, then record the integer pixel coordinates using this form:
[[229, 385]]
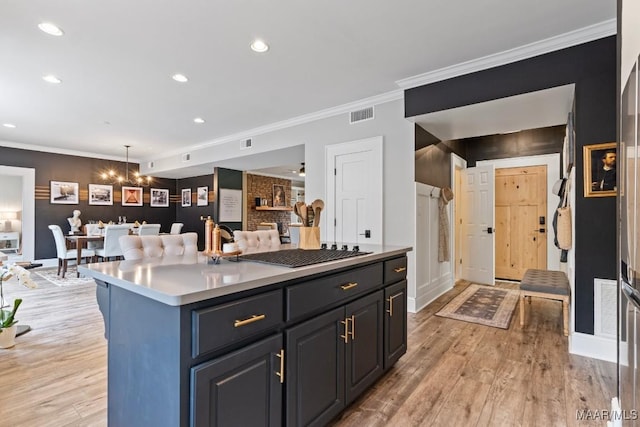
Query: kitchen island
[[244, 343]]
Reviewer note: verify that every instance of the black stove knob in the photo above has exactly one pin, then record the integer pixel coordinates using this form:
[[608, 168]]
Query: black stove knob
[[345, 247], [323, 246], [334, 247], [356, 248]]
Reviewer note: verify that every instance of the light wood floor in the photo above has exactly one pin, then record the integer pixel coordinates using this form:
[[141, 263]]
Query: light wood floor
[[454, 373]]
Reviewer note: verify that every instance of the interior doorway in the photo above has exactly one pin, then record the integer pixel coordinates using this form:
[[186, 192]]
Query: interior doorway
[[547, 252]]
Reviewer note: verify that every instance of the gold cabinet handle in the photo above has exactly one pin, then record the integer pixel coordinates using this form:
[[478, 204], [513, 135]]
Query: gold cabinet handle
[[345, 322], [349, 286], [390, 300], [281, 373], [251, 319], [399, 269]]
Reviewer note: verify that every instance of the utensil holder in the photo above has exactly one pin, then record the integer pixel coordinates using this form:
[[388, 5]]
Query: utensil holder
[[309, 238]]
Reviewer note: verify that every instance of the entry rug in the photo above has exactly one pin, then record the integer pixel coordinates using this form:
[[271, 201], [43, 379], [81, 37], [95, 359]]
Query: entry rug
[[484, 305], [70, 279]]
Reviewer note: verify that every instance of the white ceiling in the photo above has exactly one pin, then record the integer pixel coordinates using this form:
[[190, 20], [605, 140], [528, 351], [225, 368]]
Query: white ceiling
[[533, 110], [117, 57]]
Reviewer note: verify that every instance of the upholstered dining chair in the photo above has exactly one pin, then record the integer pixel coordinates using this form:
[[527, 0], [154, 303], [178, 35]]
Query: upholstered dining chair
[[149, 230], [111, 246], [176, 228], [64, 254]]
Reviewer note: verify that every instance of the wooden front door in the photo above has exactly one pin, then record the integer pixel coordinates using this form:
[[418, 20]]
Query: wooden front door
[[521, 222]]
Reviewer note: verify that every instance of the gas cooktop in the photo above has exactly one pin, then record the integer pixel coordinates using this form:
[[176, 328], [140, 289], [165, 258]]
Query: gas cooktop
[[300, 257]]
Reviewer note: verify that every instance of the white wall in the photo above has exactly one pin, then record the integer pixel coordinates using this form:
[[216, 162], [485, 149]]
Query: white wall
[[432, 278], [630, 38], [398, 160]]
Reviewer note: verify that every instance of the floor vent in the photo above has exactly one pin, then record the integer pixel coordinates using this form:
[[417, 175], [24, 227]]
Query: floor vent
[[245, 143], [361, 115], [605, 308], [186, 157]]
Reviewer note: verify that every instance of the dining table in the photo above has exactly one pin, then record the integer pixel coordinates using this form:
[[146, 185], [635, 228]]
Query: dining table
[[80, 241]]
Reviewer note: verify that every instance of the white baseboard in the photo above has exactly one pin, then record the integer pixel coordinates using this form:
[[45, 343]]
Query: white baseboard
[[593, 346], [416, 304]]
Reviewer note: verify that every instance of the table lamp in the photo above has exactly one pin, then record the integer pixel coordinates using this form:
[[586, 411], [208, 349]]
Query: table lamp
[[8, 216]]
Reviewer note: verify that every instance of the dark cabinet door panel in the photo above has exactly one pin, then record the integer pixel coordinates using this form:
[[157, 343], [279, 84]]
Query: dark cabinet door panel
[[315, 370], [395, 323], [364, 360], [239, 389]]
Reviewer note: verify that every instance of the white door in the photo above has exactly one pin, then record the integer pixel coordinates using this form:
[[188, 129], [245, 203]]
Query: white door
[[478, 246], [354, 210]]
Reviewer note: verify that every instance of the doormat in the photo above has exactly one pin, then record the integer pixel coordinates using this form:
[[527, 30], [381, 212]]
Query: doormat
[[484, 305], [70, 279]]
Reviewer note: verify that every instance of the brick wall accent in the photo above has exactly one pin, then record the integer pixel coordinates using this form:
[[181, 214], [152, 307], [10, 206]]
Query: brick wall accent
[[262, 186]]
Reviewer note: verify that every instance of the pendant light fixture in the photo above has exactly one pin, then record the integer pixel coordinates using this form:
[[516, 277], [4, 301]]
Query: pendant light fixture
[[135, 178], [302, 172]]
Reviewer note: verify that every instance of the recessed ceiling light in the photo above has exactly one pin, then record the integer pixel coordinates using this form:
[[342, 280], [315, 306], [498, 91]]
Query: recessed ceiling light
[[50, 28], [259, 46], [180, 78], [51, 79], [198, 120], [9, 125]]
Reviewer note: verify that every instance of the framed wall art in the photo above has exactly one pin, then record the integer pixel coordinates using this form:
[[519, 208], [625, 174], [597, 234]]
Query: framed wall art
[[600, 176], [132, 196], [64, 193], [203, 196], [278, 195], [186, 197], [159, 198], [100, 194]]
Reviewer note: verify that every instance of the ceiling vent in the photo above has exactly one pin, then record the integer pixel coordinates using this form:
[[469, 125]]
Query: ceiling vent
[[186, 157], [245, 143], [150, 165], [361, 115]]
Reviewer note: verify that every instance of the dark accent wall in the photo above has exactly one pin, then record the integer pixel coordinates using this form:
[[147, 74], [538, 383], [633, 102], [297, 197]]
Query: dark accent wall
[[592, 67], [532, 142], [83, 170], [190, 215], [433, 158]]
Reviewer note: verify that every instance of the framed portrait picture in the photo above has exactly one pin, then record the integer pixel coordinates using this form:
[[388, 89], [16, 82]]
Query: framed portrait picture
[[600, 176], [159, 198], [131, 196], [64, 193], [278, 195], [203, 196], [186, 197], [100, 194]]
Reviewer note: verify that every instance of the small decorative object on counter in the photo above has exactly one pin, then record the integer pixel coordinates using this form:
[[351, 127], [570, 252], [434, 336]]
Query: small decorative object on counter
[[8, 327]]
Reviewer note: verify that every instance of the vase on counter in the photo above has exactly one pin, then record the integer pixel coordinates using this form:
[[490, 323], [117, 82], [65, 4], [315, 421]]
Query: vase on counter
[[8, 336]]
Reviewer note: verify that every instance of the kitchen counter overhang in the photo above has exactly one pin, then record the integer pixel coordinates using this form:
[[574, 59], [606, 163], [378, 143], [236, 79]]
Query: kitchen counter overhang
[[184, 280]]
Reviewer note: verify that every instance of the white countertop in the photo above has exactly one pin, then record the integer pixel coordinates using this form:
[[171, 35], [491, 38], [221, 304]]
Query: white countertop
[[184, 280]]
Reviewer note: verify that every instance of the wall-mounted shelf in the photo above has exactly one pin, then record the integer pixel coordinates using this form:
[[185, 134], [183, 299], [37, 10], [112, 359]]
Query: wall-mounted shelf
[[274, 208]]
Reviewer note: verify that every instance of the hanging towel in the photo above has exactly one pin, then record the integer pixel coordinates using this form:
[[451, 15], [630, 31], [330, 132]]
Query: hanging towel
[[446, 195]]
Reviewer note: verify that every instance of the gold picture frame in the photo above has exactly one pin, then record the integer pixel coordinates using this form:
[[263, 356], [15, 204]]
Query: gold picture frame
[[600, 175]]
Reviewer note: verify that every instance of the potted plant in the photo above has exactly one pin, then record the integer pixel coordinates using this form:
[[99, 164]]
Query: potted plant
[[8, 317]]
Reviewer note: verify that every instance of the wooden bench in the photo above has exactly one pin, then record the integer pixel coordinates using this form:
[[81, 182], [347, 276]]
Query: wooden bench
[[546, 284]]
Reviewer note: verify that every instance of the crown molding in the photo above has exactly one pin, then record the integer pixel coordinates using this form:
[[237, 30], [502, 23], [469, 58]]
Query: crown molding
[[383, 98], [572, 38], [45, 149]]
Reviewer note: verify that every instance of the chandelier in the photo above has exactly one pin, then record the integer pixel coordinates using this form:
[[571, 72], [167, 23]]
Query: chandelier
[[134, 179]]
